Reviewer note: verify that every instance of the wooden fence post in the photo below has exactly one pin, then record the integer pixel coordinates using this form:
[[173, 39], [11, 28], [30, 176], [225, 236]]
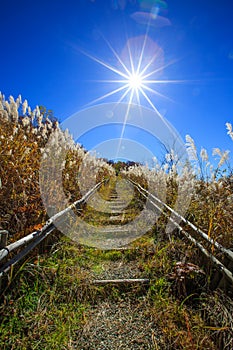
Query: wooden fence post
[[3, 238], [3, 244]]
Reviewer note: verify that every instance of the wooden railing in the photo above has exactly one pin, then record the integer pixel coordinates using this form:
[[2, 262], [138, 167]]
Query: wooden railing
[[32, 240], [159, 205]]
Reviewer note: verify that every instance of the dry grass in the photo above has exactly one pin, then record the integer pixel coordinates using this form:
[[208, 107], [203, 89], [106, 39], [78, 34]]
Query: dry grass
[[49, 302]]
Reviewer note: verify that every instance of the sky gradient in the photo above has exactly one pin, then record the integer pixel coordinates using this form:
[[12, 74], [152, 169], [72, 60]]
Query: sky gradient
[[46, 48]]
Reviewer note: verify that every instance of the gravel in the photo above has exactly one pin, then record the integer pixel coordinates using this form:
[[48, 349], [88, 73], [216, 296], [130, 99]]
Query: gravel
[[121, 323], [119, 269], [117, 325]]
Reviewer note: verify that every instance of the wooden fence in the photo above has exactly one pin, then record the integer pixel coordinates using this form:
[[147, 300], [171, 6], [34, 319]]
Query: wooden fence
[[32, 240], [226, 253]]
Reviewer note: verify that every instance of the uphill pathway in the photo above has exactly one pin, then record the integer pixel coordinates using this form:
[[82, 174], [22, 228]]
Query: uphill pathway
[[120, 320], [123, 286]]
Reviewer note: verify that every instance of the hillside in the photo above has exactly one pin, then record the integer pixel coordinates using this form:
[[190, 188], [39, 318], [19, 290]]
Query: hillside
[[129, 286]]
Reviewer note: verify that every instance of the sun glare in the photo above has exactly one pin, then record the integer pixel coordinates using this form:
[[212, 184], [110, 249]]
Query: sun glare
[[135, 81], [138, 67]]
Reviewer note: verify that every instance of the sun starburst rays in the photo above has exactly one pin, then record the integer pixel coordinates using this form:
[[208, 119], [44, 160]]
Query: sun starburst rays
[[133, 79], [134, 75]]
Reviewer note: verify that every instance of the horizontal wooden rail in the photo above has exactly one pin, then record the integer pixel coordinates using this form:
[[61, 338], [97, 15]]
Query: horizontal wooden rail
[[36, 237], [4, 269], [217, 245], [122, 281], [23, 241], [210, 256]]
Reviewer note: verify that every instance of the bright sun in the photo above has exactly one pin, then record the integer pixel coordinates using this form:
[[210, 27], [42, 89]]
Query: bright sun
[[135, 81], [135, 76]]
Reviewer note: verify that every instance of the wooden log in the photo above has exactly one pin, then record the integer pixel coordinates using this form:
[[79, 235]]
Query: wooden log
[[121, 281]]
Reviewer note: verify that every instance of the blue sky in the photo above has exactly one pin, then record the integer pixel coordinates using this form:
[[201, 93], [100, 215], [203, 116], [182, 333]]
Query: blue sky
[[42, 45]]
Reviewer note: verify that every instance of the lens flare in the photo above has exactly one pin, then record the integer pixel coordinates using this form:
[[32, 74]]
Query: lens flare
[[138, 67], [150, 18]]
